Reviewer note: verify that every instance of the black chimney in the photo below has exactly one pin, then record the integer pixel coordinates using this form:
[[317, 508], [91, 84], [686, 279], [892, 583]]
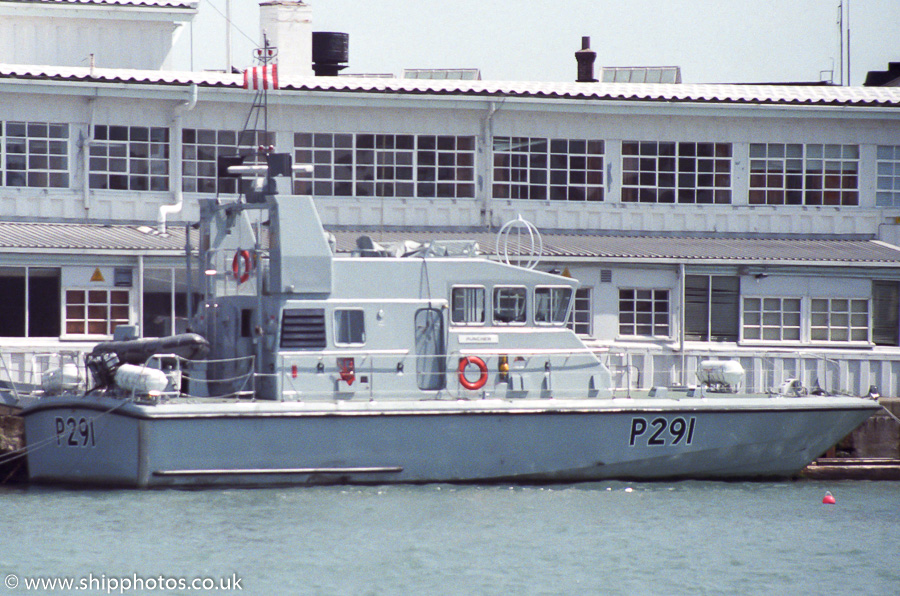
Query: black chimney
[[330, 53], [586, 57]]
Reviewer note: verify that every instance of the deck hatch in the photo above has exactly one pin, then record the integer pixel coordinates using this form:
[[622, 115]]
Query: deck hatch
[[303, 328]]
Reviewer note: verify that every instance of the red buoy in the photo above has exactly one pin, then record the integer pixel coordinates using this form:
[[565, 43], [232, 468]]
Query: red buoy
[[828, 499]]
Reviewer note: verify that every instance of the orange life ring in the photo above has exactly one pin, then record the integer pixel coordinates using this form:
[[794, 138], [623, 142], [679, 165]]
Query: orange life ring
[[241, 274], [482, 379]]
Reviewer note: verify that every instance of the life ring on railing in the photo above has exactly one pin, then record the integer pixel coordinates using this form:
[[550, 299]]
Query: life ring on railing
[[241, 273], [482, 379]]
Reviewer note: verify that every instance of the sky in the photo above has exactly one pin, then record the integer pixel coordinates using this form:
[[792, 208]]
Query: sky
[[713, 41]]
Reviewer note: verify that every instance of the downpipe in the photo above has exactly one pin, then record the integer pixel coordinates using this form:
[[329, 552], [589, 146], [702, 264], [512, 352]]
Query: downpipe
[[176, 161]]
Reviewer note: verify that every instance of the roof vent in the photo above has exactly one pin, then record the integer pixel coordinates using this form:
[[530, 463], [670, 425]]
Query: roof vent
[[586, 57], [330, 52]]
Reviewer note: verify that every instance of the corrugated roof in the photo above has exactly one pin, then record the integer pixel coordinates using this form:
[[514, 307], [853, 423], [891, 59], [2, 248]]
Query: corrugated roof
[[650, 248], [143, 3], [118, 237], [82, 236], [728, 94]]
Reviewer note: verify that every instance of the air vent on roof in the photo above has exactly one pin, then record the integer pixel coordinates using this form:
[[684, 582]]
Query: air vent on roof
[[330, 52], [303, 328]]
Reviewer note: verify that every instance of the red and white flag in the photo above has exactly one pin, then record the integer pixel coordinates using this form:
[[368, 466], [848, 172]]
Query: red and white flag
[[261, 77]]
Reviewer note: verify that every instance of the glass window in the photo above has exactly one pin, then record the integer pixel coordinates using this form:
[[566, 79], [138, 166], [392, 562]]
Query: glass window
[[839, 320], [711, 310], [129, 158], [886, 313], [551, 305], [385, 165], [676, 172], [795, 174], [887, 184], [581, 317], [31, 302], [772, 319], [554, 169], [36, 154], [467, 305], [96, 312], [644, 312], [349, 327], [165, 302], [509, 305], [201, 149]]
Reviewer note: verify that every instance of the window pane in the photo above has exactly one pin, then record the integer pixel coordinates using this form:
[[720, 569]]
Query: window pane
[[349, 327], [509, 305]]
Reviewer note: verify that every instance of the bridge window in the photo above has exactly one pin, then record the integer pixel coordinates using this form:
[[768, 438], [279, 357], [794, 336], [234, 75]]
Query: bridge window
[[509, 305], [467, 305], [551, 305]]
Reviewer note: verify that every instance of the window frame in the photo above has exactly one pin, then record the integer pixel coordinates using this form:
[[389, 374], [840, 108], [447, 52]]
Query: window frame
[[378, 165], [551, 290], [677, 172], [467, 307], [200, 154], [117, 163], [653, 299], [110, 322], [887, 176], [714, 297], [785, 174], [356, 338], [43, 148], [801, 314], [582, 295], [832, 314], [549, 169], [519, 321]]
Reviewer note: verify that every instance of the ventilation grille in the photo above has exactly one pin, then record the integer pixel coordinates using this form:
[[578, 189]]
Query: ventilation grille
[[303, 328], [606, 276]]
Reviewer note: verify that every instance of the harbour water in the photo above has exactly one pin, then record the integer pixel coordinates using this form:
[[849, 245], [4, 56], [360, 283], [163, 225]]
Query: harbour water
[[600, 538]]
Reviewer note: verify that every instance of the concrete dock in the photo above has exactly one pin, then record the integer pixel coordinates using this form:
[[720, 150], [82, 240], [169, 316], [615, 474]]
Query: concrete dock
[[12, 440]]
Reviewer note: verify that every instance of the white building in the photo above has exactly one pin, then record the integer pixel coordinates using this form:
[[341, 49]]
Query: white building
[[751, 222]]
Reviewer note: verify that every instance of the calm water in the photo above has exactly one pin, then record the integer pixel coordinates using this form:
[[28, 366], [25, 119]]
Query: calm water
[[604, 538]]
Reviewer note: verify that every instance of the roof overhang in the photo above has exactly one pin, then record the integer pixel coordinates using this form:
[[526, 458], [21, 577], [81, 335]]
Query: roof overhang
[[593, 97], [131, 10]]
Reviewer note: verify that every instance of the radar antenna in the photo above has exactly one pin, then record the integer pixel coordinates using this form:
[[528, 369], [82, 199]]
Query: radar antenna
[[527, 255]]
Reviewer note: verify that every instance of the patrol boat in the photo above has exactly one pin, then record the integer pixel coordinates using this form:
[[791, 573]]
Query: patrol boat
[[403, 364]]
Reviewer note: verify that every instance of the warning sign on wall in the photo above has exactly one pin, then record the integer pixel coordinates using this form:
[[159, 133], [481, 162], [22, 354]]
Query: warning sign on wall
[[97, 276]]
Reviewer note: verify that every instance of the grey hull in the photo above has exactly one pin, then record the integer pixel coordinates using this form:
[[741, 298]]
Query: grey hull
[[104, 442]]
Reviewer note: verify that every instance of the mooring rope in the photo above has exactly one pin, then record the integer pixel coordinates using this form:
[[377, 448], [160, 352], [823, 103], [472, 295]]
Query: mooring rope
[[891, 414]]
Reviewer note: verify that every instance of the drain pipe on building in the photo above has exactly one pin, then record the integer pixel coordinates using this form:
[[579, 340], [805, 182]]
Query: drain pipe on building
[[86, 157], [175, 161]]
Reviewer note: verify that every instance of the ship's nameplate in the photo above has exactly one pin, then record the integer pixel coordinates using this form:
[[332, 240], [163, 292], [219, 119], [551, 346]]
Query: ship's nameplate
[[479, 338]]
